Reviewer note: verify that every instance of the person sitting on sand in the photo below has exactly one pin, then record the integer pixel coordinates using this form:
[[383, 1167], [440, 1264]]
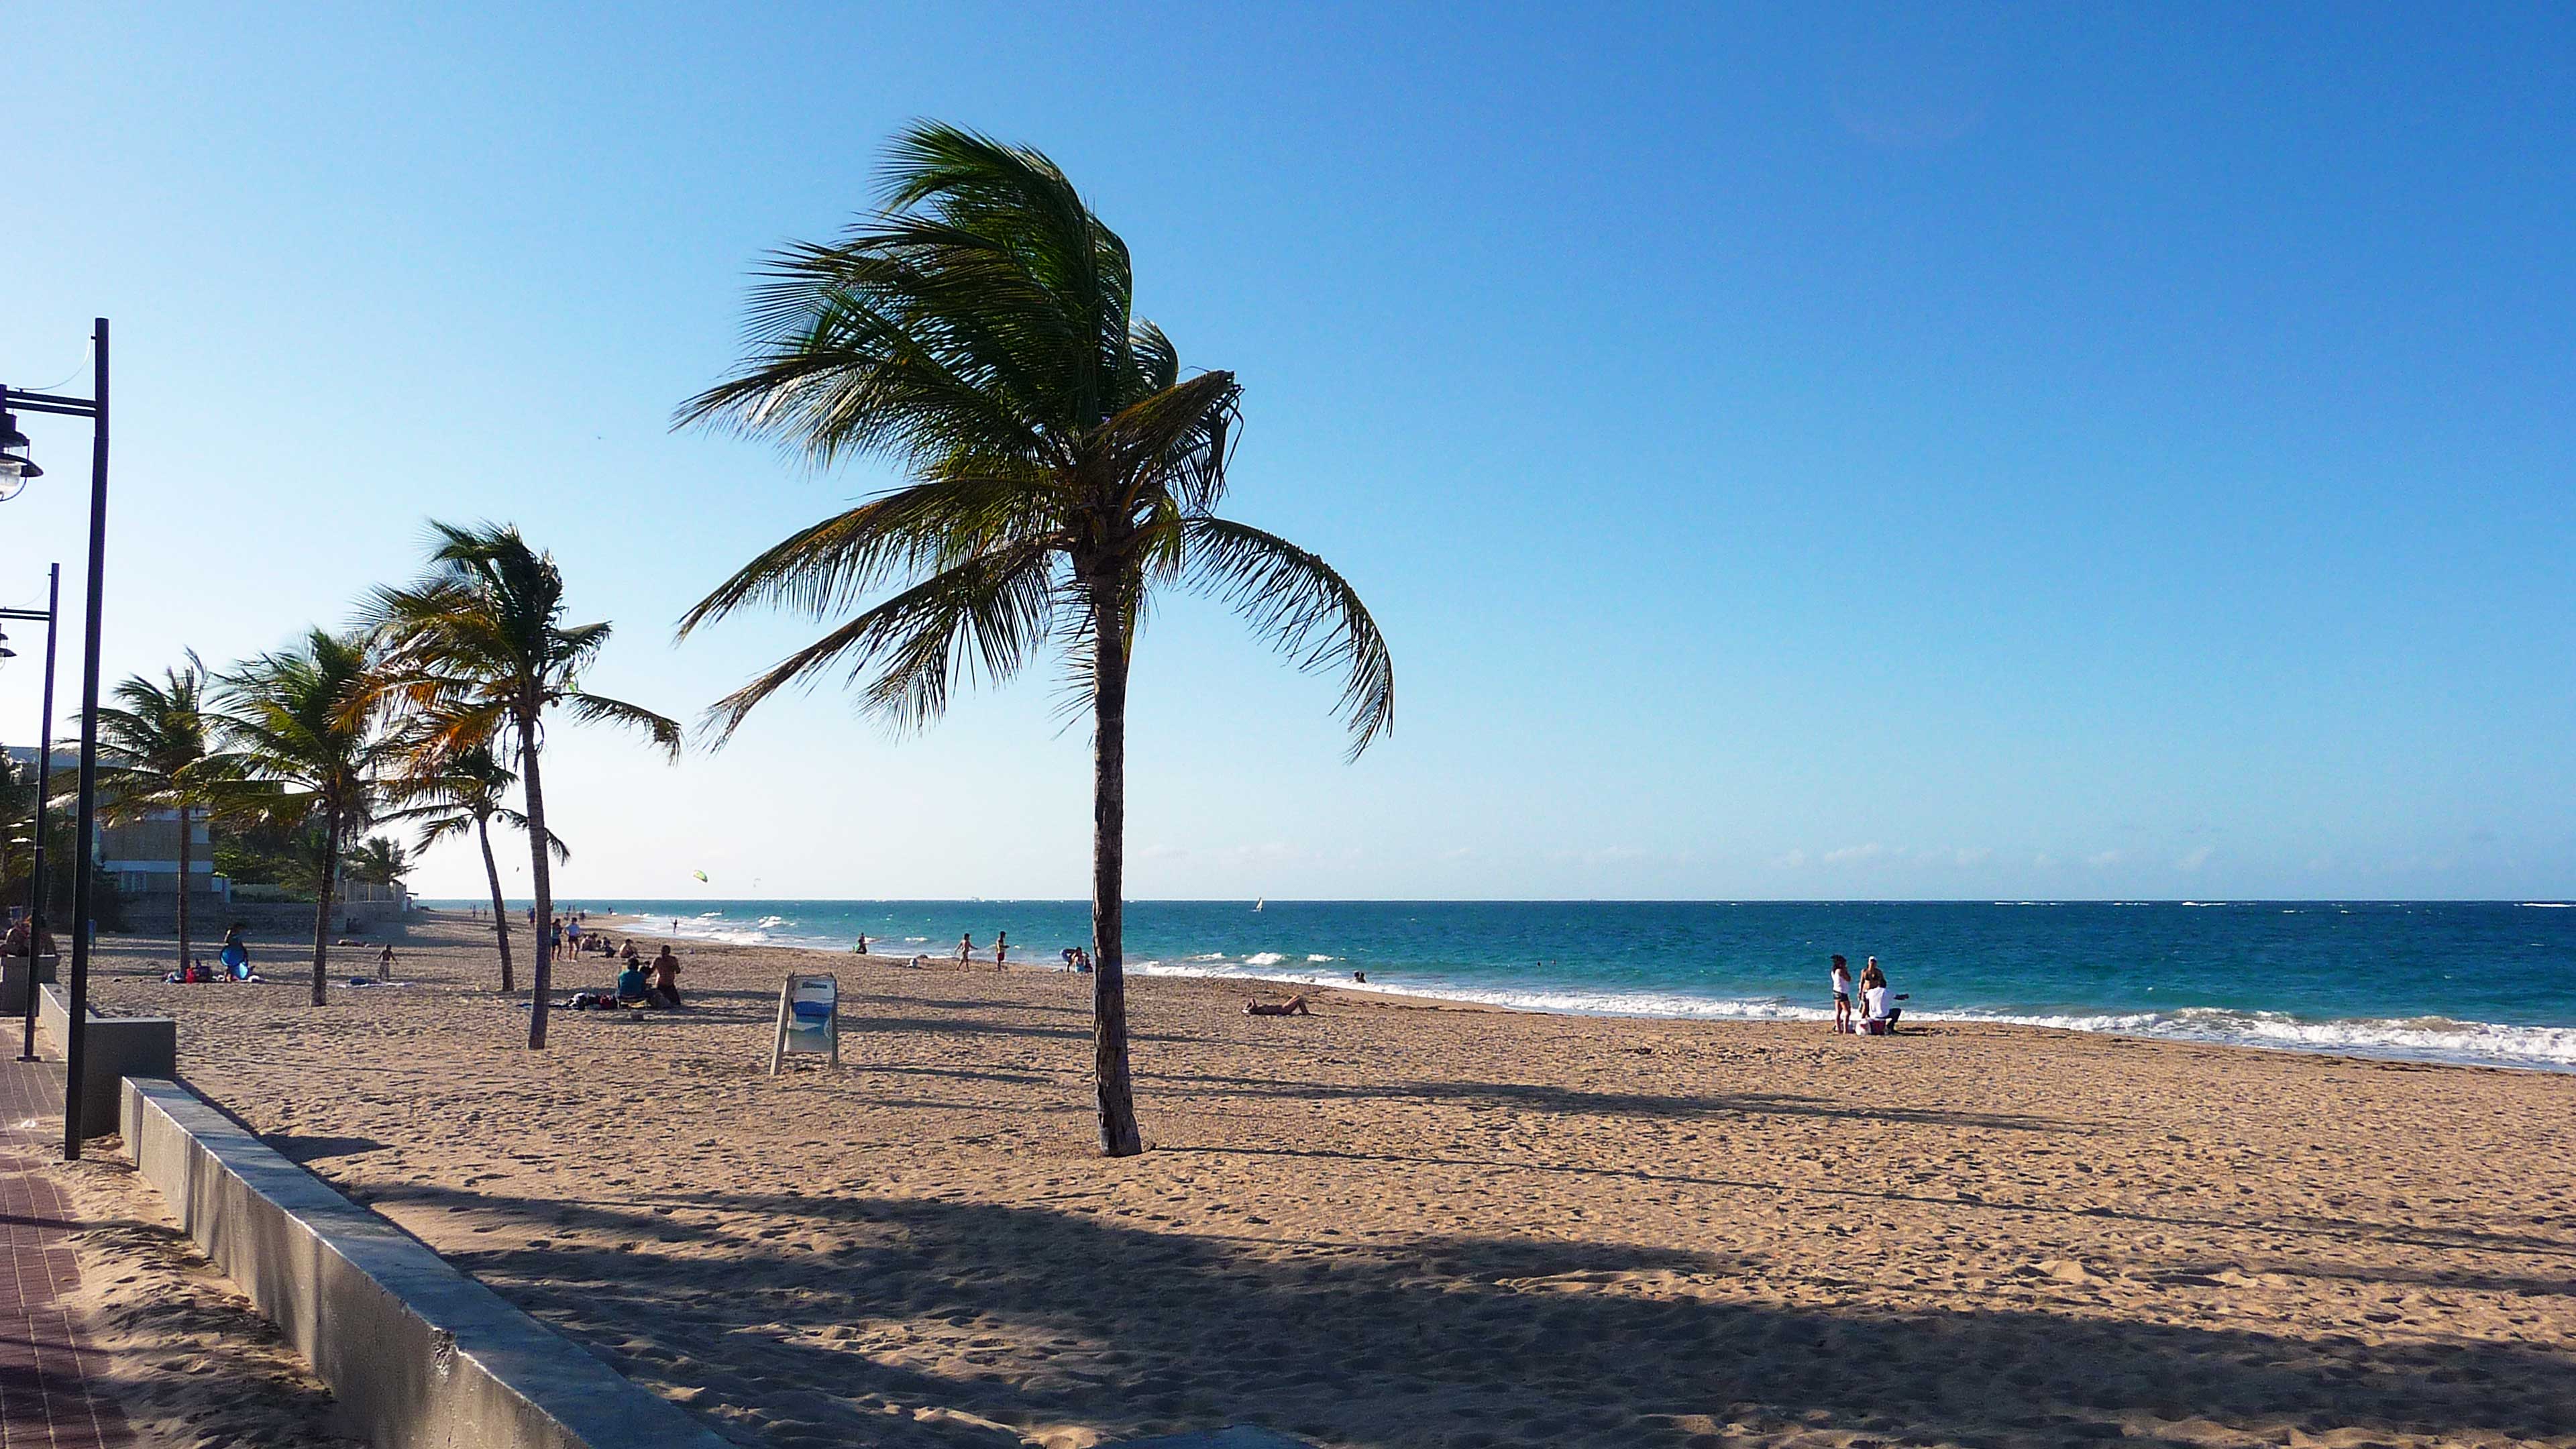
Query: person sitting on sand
[[666, 978], [631, 952], [1842, 995], [632, 990], [1293, 1006]]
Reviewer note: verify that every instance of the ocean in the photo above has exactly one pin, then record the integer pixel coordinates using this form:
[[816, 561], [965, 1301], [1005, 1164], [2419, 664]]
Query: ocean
[[2492, 983]]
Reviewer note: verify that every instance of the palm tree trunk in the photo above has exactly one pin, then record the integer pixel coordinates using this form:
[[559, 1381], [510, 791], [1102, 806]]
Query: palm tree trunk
[[322, 912], [537, 837], [184, 863], [1118, 1134], [500, 913]]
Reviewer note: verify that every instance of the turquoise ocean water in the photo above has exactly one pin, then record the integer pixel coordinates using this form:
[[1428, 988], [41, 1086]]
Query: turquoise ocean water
[[2484, 982]]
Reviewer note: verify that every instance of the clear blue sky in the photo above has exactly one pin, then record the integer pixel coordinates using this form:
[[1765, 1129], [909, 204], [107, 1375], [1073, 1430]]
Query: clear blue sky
[[2066, 451]]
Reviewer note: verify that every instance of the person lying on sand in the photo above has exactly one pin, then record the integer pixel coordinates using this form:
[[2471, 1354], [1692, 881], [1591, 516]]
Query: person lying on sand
[[1293, 1006]]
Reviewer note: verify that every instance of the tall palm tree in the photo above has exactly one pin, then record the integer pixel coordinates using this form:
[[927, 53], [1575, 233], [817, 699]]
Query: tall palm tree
[[302, 724], [477, 654], [468, 791], [977, 329], [157, 737]]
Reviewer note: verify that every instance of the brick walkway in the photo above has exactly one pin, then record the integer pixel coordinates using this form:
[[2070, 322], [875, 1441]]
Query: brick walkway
[[45, 1400]]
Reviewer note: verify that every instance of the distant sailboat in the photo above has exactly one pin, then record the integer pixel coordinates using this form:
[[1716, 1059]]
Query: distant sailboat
[[1259, 901]]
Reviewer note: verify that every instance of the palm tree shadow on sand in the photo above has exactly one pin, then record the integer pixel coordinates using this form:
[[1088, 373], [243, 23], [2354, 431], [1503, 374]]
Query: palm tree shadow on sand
[[817, 1320]]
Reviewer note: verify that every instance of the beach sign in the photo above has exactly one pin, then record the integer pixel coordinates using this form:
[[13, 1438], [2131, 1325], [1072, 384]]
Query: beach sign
[[808, 1019]]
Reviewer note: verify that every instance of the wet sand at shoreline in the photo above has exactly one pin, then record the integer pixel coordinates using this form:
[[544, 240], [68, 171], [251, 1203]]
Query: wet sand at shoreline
[[1406, 1223]]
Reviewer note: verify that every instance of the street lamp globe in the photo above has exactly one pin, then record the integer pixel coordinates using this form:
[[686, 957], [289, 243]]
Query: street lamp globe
[[16, 466]]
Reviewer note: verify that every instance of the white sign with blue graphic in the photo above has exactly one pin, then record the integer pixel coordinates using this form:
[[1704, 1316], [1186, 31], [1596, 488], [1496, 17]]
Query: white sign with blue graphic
[[808, 1020]]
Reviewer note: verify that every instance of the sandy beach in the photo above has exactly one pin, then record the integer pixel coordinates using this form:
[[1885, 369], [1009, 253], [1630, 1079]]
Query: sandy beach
[[1402, 1223]]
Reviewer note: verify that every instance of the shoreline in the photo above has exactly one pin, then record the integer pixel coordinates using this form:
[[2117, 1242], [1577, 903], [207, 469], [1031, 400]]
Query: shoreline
[[2559, 1041]]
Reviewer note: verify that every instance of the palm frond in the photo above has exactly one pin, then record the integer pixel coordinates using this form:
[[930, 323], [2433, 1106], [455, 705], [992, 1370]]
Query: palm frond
[[1298, 602]]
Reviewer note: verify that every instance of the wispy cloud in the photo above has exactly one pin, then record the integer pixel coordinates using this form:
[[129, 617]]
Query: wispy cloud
[[1851, 854], [2104, 860], [2195, 859]]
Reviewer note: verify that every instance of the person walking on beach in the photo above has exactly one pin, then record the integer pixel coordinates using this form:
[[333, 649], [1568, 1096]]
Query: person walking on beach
[[1842, 995], [385, 963], [1001, 948], [965, 948]]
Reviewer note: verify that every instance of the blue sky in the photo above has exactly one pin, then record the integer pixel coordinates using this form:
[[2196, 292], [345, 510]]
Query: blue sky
[[1945, 452]]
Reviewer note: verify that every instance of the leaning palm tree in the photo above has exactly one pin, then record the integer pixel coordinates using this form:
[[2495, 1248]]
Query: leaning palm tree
[[461, 792], [156, 736], [477, 653], [977, 329], [300, 726]]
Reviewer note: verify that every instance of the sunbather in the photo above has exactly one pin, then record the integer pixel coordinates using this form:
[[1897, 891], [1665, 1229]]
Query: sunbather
[[1293, 1006]]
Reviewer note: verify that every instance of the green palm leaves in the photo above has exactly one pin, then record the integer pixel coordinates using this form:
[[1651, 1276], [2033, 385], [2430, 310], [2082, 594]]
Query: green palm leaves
[[978, 331]]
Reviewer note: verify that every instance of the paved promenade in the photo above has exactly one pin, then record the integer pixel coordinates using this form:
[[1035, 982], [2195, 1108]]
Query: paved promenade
[[45, 1400]]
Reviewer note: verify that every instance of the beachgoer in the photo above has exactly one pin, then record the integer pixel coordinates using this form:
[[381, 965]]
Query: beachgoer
[[1001, 948], [236, 955], [1082, 959], [666, 978], [1293, 1006], [631, 951], [385, 963], [1842, 994], [862, 947], [631, 986], [1360, 976], [965, 948]]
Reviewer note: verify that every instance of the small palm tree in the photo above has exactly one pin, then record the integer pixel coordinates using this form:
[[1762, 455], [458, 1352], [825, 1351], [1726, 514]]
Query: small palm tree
[[377, 861], [978, 329], [156, 737], [462, 792], [477, 653], [300, 727]]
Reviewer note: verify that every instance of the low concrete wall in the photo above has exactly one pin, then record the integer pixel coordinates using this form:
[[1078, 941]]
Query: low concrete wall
[[118, 1047], [419, 1355]]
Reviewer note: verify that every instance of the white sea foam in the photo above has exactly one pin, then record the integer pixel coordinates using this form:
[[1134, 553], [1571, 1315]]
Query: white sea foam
[[2429, 1038], [1323, 958], [1264, 958], [2527, 905]]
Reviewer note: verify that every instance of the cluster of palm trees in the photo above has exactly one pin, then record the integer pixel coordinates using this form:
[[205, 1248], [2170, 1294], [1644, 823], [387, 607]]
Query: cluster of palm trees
[[429, 710], [977, 331]]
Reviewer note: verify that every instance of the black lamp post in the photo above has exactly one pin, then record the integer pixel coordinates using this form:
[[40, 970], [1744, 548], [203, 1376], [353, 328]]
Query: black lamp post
[[44, 754], [15, 468]]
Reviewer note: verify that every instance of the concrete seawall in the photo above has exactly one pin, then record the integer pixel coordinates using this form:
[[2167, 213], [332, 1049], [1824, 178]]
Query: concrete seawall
[[419, 1355]]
